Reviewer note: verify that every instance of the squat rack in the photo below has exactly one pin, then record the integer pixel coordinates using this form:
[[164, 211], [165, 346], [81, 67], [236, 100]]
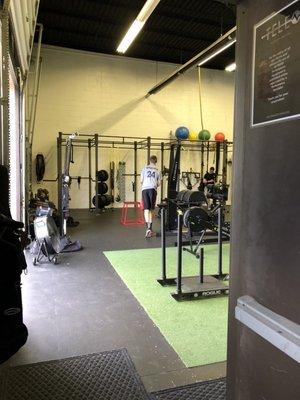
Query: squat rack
[[95, 141]]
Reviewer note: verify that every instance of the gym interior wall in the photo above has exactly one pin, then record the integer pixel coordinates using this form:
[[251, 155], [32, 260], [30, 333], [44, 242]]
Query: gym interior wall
[[87, 92]]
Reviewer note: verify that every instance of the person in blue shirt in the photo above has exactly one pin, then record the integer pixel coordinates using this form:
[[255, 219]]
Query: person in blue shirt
[[150, 180]]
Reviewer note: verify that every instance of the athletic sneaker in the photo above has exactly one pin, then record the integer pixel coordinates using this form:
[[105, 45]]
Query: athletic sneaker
[[148, 233]]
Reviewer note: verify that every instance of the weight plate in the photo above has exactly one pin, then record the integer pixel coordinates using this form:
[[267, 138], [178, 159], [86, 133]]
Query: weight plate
[[102, 175], [196, 219], [102, 188]]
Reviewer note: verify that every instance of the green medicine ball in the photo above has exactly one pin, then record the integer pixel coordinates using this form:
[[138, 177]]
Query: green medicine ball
[[204, 134]]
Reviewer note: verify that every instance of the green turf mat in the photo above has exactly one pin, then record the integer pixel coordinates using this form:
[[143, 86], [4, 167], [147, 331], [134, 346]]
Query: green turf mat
[[197, 330]]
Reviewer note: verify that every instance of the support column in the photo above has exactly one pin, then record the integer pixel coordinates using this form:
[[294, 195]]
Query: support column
[[162, 151], [59, 179], [148, 148], [90, 174], [135, 170], [96, 140], [224, 161]]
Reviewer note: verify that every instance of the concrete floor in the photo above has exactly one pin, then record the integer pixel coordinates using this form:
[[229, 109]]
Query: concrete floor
[[81, 306]]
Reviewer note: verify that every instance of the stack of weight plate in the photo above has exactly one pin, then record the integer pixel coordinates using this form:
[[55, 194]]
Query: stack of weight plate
[[102, 188]]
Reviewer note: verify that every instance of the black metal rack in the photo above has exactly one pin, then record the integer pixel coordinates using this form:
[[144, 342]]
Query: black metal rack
[[95, 141], [192, 287]]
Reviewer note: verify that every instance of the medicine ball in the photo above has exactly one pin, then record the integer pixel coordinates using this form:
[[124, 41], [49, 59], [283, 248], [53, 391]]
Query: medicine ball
[[182, 133], [219, 137], [193, 136], [204, 134]]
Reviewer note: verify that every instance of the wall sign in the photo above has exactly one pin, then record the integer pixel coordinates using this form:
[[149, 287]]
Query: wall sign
[[276, 67]]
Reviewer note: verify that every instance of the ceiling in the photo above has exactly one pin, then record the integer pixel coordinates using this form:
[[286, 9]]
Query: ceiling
[[175, 32]]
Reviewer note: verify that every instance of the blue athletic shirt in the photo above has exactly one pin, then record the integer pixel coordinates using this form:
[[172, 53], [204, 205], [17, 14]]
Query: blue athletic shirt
[[150, 176]]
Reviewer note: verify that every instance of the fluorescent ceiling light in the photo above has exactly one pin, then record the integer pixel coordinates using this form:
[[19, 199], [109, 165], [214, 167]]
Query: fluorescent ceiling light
[[131, 34], [147, 10], [215, 53], [137, 25], [231, 67]]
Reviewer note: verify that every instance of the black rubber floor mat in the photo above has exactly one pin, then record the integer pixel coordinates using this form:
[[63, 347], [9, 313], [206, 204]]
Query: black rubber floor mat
[[105, 376], [209, 390]]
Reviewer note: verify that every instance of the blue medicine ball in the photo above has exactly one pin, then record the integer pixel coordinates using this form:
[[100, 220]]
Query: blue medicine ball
[[182, 133]]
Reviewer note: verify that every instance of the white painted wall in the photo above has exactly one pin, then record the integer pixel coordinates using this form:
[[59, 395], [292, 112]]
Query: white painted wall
[[89, 93]]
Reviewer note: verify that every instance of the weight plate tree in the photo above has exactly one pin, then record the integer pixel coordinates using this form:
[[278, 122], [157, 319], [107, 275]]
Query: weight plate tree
[[101, 200]]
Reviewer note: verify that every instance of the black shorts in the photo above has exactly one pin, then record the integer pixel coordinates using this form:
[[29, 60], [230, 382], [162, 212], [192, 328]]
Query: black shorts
[[149, 199]]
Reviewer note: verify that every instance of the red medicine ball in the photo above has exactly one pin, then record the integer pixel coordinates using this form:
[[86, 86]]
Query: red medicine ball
[[219, 137]]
